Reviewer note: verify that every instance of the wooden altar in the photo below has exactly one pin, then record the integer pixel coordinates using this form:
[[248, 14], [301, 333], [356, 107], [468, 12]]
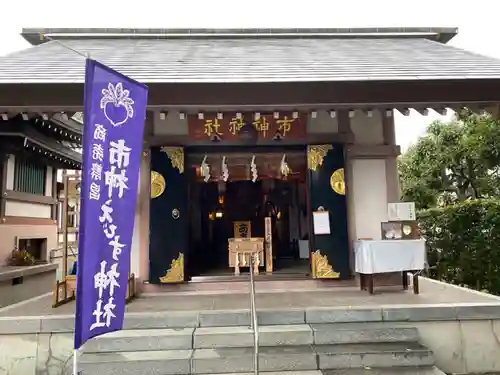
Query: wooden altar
[[242, 249]]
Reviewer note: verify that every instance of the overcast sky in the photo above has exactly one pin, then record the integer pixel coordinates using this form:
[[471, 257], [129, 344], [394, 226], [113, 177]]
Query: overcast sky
[[477, 22]]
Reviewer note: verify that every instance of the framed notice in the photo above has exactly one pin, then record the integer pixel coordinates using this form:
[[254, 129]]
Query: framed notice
[[321, 222], [402, 211]]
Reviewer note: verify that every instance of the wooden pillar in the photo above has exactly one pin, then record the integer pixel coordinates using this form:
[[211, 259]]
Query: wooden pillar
[[65, 225], [3, 182], [54, 194]]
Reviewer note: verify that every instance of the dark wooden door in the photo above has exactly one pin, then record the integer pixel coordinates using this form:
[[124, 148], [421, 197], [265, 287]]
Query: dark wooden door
[[330, 252], [168, 218]]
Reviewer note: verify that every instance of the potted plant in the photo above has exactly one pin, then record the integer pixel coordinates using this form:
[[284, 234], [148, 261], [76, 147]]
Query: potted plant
[[20, 258]]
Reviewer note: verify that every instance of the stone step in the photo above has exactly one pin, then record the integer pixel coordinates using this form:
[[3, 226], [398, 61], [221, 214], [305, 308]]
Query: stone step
[[167, 362], [240, 360], [385, 371], [354, 333], [141, 340], [314, 372], [200, 361], [373, 355], [242, 336], [364, 371], [232, 337]]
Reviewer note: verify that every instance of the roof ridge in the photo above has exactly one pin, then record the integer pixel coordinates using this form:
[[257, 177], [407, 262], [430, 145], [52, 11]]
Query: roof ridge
[[37, 35]]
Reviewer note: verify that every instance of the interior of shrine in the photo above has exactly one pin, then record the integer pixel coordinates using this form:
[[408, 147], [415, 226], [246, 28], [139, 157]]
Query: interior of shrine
[[231, 193]]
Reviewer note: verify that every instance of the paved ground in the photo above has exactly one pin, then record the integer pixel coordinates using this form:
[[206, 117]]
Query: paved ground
[[431, 293]]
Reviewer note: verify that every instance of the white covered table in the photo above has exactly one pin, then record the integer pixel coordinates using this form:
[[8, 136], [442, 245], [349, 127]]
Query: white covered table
[[385, 256]]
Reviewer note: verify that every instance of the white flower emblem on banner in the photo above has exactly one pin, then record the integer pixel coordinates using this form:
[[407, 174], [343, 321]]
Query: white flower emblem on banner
[[116, 104]]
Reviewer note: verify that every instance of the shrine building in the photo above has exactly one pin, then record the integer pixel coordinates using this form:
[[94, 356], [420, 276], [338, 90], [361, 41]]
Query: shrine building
[[273, 142]]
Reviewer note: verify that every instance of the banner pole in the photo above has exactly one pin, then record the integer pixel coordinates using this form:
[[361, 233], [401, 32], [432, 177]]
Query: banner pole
[[75, 362]]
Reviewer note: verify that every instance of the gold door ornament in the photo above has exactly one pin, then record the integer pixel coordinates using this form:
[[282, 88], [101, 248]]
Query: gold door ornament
[[316, 154], [321, 269], [176, 156], [337, 181], [158, 184], [175, 274]]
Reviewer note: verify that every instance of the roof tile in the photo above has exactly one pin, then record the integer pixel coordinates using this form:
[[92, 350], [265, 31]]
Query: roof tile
[[249, 60]]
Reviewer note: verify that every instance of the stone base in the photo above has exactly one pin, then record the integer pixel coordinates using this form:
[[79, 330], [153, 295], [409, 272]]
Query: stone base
[[22, 283]]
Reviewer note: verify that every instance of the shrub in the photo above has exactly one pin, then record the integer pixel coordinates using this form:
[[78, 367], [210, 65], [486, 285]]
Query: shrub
[[20, 258], [463, 243]]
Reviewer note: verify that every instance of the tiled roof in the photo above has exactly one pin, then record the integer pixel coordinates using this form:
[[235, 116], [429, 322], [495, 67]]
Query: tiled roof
[[24, 130], [249, 59]]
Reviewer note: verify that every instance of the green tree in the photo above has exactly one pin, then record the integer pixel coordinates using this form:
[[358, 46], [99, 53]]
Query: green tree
[[454, 161], [462, 243]]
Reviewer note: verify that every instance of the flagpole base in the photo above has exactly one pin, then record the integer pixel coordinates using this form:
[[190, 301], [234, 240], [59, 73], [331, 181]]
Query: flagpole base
[[75, 362]]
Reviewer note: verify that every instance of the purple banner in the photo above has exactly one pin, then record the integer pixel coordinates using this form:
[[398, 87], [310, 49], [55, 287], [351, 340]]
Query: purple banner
[[114, 115]]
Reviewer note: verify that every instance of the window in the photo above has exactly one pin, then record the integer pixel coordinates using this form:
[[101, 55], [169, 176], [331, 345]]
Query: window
[[37, 247], [71, 216], [29, 177]]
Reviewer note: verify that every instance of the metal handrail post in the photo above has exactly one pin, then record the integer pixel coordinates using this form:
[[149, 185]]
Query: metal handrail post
[[254, 323]]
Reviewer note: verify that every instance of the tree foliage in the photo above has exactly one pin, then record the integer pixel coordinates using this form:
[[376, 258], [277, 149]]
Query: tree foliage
[[454, 161], [462, 243]]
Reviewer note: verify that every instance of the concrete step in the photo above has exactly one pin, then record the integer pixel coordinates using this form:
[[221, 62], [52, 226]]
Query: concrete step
[[358, 333], [373, 355], [242, 336], [199, 361], [141, 340], [233, 337], [385, 371], [314, 372], [240, 360], [365, 371], [167, 362]]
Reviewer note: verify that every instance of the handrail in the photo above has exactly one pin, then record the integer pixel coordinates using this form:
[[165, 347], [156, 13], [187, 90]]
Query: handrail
[[254, 323]]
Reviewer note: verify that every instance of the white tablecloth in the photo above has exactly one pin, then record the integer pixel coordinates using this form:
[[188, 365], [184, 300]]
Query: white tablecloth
[[389, 255]]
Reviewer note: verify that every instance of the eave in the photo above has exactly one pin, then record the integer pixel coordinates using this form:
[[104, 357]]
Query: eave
[[307, 95], [21, 137]]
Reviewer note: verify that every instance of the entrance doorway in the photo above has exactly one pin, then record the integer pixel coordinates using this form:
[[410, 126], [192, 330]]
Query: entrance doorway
[[217, 209]]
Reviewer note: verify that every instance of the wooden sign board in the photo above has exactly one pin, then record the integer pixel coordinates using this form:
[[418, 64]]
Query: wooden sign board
[[242, 229], [229, 127]]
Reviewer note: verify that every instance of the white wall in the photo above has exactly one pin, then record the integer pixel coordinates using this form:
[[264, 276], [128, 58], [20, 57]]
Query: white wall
[[23, 209], [323, 123], [172, 125], [367, 130], [369, 191]]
